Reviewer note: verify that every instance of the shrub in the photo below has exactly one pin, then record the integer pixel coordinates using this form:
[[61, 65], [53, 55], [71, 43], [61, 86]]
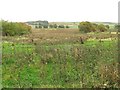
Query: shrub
[[61, 26], [85, 27], [45, 26], [102, 28], [107, 26], [67, 27], [55, 26], [92, 27], [40, 26], [14, 28], [117, 26], [51, 26], [36, 26]]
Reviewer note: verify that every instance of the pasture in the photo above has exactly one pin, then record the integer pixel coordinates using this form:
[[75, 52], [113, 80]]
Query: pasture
[[57, 59]]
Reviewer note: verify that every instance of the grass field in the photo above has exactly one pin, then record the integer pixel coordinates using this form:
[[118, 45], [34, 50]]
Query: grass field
[[56, 58]]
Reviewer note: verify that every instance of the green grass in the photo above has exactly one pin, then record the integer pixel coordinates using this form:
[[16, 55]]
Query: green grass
[[63, 65], [74, 26]]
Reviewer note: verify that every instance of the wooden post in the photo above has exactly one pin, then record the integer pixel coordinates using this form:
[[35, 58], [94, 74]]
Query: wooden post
[[81, 40]]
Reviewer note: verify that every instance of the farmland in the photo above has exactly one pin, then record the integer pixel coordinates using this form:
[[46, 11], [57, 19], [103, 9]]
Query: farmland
[[55, 58]]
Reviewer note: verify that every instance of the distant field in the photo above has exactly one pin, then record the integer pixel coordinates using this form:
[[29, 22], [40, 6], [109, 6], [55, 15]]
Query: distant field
[[74, 25]]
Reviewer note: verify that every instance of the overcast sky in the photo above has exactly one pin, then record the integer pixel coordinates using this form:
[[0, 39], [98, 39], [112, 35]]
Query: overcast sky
[[59, 10]]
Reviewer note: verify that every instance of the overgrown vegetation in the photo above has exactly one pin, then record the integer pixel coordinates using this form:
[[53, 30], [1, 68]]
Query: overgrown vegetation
[[56, 58], [61, 57], [14, 28], [61, 26], [92, 27]]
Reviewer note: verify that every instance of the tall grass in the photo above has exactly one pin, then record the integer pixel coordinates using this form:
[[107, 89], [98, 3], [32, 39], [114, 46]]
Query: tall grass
[[92, 64]]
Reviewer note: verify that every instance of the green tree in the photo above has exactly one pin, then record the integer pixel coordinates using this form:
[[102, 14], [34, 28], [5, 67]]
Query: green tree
[[61, 26], [117, 28], [91, 27], [85, 27], [107, 26], [40, 26], [55, 26], [102, 28], [36, 26], [13, 28], [51, 26], [67, 26], [45, 26]]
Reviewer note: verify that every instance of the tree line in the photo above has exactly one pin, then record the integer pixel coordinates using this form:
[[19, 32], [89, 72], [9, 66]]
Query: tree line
[[18, 28], [51, 26]]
